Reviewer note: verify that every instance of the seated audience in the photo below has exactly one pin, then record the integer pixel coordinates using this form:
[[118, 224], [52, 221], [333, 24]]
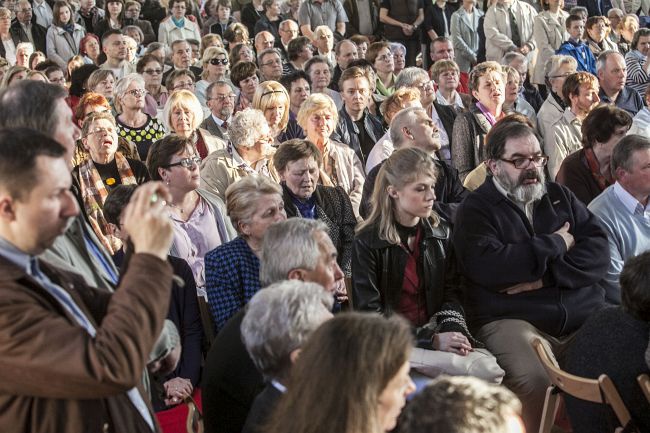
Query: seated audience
[[381, 58], [244, 76], [576, 47], [296, 249], [359, 365], [462, 405], [320, 76], [446, 74], [557, 69], [514, 102], [220, 97], [532, 255], [612, 74], [339, 165], [170, 389], [291, 311], [402, 263], [636, 59], [613, 342], [249, 154], [588, 171], [624, 209], [232, 269], [101, 172], [272, 99]]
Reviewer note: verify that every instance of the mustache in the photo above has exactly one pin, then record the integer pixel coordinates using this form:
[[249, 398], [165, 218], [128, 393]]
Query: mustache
[[530, 175]]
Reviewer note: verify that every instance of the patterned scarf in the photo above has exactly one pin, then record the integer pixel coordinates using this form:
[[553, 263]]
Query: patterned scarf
[[594, 168], [94, 193]]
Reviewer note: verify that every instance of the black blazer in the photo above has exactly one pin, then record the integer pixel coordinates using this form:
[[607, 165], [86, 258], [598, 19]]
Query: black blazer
[[447, 116], [38, 33], [211, 126], [263, 406]]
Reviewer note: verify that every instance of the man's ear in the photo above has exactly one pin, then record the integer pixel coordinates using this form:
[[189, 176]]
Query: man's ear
[[491, 165], [7, 212], [297, 274]]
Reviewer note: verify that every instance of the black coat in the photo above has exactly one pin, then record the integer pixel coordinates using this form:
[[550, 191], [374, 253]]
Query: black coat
[[447, 116], [262, 408], [347, 132], [18, 34], [449, 191]]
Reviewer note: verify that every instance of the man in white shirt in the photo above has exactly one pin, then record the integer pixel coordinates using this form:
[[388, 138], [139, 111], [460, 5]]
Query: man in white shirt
[[220, 99], [43, 13]]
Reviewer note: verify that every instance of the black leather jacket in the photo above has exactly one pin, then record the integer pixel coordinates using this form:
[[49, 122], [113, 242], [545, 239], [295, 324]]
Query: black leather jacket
[[347, 131], [378, 274]]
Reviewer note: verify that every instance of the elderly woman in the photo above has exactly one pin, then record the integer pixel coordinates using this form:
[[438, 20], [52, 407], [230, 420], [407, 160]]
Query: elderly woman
[[13, 75], [183, 312], [180, 79], [102, 81], [135, 126], [399, 56], [105, 169], [198, 216], [339, 166], [152, 71], [272, 99], [549, 32], [232, 270], [245, 77], [182, 116], [215, 68], [514, 102], [556, 70], [241, 52], [89, 49], [587, 172], [636, 61], [64, 35], [249, 153], [447, 75], [298, 163], [487, 84], [381, 58], [597, 32], [464, 34], [320, 74]]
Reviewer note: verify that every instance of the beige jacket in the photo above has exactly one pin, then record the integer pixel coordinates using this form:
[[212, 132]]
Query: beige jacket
[[498, 37], [548, 33], [565, 139], [344, 169]]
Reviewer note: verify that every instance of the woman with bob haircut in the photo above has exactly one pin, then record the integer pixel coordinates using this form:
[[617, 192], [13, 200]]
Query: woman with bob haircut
[[272, 99], [232, 270], [183, 115], [352, 376], [403, 263], [215, 66]]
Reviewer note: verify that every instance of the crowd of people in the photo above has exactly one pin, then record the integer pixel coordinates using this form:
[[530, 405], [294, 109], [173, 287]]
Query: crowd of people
[[321, 215]]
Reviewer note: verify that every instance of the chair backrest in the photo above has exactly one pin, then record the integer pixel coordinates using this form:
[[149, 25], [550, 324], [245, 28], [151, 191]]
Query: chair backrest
[[601, 390], [644, 382]]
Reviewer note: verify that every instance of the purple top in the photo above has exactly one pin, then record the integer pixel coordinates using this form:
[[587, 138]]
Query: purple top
[[194, 238]]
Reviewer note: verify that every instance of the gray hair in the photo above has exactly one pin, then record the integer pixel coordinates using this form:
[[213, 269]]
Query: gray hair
[[244, 128], [242, 198], [136, 29], [511, 56], [289, 245], [404, 118], [602, 59], [218, 83], [409, 76], [395, 46], [623, 154], [578, 10], [120, 88], [266, 52], [289, 311], [22, 45], [555, 62]]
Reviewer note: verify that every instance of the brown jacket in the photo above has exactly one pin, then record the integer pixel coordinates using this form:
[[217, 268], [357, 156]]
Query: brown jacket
[[54, 377]]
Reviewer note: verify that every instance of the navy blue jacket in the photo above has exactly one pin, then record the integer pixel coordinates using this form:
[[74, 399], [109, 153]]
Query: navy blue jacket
[[497, 247]]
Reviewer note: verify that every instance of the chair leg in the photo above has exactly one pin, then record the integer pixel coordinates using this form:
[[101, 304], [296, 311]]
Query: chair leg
[[551, 403]]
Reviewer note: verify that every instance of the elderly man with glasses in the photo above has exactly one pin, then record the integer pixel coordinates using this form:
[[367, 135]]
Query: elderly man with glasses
[[25, 29]]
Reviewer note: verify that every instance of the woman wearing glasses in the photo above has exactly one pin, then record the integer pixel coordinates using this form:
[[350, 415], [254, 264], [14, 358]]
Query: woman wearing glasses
[[198, 216], [133, 124], [245, 77], [215, 68], [382, 59], [151, 69], [106, 168]]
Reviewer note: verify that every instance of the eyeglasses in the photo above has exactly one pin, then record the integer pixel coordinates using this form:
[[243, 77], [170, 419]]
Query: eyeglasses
[[186, 162], [426, 85], [559, 76], [523, 162], [153, 71], [385, 57], [101, 131], [218, 61], [272, 62], [137, 92], [222, 98], [184, 85]]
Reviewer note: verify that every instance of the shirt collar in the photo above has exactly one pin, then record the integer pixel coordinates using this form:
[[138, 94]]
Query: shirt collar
[[14, 255], [628, 199], [217, 120]]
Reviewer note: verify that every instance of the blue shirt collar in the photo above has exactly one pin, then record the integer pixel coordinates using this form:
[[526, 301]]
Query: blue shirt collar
[[14, 255]]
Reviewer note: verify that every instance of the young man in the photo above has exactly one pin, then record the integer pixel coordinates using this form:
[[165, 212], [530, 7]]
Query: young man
[[575, 48]]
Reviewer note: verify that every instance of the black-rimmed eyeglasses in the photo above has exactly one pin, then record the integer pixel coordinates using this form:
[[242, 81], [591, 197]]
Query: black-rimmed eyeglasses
[[186, 162], [523, 162]]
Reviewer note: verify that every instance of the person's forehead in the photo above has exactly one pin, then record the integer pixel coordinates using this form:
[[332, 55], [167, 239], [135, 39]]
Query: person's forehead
[[268, 56], [614, 60], [524, 145], [356, 82], [299, 83], [347, 47], [439, 46], [181, 46]]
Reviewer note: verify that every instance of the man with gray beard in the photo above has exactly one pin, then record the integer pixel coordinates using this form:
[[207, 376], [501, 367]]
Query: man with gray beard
[[532, 255]]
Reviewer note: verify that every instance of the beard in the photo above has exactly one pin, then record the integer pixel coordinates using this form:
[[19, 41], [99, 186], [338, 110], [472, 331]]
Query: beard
[[520, 192]]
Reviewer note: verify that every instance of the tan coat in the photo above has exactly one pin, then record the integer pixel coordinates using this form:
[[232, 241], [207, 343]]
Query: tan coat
[[497, 30], [549, 33], [54, 377], [563, 139]]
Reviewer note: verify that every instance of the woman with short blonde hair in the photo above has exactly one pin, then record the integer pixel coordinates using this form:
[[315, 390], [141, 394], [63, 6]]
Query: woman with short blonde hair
[[216, 65], [272, 99]]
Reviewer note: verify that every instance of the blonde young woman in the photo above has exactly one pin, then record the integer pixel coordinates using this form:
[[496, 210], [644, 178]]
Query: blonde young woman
[[215, 66], [403, 262], [272, 99]]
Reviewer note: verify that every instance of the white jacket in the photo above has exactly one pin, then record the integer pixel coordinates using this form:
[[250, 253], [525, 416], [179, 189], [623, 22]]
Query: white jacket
[[61, 46], [641, 123], [548, 33], [168, 32], [497, 30]]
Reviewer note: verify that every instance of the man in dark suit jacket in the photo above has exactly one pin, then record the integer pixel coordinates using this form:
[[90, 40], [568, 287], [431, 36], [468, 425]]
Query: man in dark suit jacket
[[220, 99], [24, 25], [230, 380]]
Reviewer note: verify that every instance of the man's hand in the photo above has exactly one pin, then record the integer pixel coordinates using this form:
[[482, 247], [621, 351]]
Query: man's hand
[[147, 222], [177, 390], [523, 287], [566, 236], [453, 342]]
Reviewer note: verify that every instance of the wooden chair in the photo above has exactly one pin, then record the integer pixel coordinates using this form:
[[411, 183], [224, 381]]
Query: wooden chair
[[644, 382], [601, 390]]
